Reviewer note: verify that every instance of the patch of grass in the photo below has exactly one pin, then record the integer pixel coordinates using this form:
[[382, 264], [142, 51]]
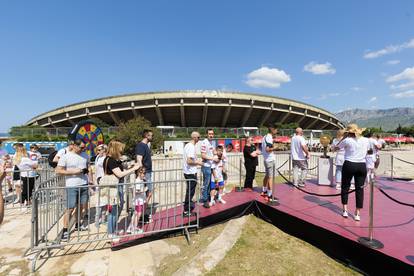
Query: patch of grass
[[198, 242], [257, 183], [263, 249]]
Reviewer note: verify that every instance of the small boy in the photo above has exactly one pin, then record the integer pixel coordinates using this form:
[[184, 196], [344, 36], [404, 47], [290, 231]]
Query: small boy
[[370, 160], [217, 180]]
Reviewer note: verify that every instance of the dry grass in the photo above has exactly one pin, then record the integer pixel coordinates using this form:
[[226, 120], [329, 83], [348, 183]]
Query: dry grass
[[198, 242], [265, 250]]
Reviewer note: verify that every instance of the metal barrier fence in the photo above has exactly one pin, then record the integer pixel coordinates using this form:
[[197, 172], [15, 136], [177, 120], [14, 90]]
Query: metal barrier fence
[[18, 186], [110, 212]]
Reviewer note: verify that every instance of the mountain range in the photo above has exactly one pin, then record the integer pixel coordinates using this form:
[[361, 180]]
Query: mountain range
[[387, 119]]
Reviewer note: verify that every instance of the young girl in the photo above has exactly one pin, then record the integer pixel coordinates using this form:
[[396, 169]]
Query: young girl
[[139, 202], [217, 180]]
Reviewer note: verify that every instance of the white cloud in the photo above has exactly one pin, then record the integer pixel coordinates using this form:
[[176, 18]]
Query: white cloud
[[405, 94], [266, 77], [326, 95], [390, 49], [403, 86], [356, 88], [393, 62], [373, 99], [407, 74], [319, 68]]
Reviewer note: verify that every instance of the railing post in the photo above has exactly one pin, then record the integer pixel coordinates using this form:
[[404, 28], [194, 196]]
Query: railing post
[[392, 166], [370, 241], [240, 189]]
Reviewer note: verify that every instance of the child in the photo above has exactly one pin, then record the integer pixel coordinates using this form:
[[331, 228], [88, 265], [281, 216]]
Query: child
[[370, 160], [139, 202], [217, 181]]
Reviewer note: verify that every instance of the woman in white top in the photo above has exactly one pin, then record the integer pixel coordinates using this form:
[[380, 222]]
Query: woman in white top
[[27, 174], [356, 148], [340, 157]]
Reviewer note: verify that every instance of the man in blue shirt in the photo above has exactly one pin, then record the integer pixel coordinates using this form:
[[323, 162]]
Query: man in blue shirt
[[143, 158]]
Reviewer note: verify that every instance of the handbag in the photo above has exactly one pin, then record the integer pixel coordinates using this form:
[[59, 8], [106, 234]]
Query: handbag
[[109, 193]]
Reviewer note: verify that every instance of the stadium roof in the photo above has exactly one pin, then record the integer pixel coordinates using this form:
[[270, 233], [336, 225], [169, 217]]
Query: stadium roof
[[192, 108]]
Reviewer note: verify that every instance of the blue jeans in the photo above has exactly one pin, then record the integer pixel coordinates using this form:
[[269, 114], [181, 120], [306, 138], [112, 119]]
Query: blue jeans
[[206, 183], [338, 174], [113, 219], [121, 197], [148, 180]]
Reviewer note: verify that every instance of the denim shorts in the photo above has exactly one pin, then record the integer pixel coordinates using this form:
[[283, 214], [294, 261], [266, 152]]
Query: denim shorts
[[214, 185], [76, 195]]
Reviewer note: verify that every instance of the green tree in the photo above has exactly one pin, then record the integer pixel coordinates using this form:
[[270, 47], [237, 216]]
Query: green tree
[[130, 133]]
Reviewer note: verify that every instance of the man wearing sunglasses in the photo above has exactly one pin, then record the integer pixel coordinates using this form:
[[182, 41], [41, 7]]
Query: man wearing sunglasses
[[74, 166]]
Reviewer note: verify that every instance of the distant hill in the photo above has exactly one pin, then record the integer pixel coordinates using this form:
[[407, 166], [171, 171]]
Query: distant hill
[[387, 119]]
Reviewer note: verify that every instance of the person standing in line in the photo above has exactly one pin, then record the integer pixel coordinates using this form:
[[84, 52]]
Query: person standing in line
[[381, 145], [63, 151], [2, 176], [99, 173], [143, 159], [373, 152], [269, 161], [74, 166], [34, 153], [217, 180], [190, 163], [113, 166], [300, 155], [250, 154], [27, 168], [356, 149], [339, 158], [207, 155]]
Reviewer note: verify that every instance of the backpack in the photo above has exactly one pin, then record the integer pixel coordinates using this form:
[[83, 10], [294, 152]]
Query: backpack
[[51, 157]]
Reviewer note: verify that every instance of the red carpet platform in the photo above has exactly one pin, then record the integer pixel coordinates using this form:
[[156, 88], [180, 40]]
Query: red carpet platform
[[318, 221]]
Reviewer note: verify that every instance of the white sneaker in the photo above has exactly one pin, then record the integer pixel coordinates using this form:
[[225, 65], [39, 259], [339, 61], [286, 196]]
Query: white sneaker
[[352, 187], [222, 201], [130, 230], [338, 186], [138, 231], [212, 203], [345, 214], [357, 218], [16, 201]]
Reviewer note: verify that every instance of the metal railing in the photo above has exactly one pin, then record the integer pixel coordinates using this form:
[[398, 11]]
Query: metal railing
[[18, 186], [117, 213]]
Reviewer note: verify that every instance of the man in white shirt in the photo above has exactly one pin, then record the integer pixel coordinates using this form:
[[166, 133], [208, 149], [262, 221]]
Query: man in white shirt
[[74, 166], [300, 155], [190, 163], [269, 161], [63, 151], [207, 155]]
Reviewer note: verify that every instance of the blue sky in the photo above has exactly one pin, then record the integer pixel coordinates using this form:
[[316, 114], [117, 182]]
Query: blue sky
[[332, 54]]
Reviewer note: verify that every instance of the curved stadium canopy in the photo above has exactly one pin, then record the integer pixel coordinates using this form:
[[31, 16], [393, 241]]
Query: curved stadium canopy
[[195, 108]]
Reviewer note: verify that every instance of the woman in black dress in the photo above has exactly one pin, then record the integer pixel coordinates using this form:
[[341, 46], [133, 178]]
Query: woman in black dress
[[250, 154]]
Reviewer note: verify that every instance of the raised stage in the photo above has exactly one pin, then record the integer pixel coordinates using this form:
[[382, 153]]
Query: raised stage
[[318, 221]]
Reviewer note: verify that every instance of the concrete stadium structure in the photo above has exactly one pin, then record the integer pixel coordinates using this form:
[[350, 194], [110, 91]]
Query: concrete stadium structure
[[195, 108]]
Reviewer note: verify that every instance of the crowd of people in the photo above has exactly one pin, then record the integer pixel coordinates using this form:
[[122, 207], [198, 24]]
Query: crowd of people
[[356, 157]]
